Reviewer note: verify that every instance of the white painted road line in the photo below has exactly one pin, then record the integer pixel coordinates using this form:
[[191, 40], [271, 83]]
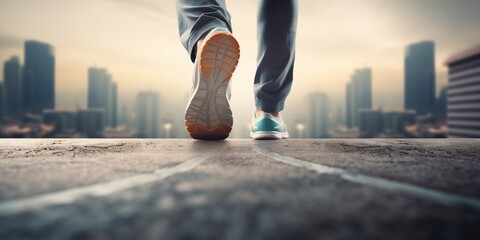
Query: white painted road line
[[102, 189], [437, 196]]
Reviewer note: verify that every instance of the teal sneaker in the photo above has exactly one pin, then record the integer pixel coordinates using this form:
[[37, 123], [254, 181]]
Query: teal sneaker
[[268, 127]]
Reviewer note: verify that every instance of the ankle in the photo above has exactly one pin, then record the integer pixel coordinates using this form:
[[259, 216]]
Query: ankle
[[199, 45], [200, 41], [259, 112]]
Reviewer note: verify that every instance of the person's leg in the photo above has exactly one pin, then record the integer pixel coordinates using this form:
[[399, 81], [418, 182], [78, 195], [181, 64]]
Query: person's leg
[[277, 23], [197, 17], [205, 25]]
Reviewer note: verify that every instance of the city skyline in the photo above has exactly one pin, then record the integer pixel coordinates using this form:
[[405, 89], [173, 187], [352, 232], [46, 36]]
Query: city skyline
[[101, 117], [367, 38], [371, 35]]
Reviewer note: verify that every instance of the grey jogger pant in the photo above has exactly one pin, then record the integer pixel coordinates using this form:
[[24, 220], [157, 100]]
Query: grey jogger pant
[[277, 23]]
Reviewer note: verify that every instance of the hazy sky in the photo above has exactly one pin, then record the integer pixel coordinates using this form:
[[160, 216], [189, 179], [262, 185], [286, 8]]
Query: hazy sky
[[137, 40]]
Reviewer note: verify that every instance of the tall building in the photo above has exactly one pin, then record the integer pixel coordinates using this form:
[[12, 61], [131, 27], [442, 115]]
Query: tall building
[[318, 114], [358, 95], [441, 106], [370, 122], [90, 122], [12, 84], [420, 77], [124, 116], [102, 94], [338, 118], [38, 77], [349, 106], [2, 103], [114, 105], [394, 122], [64, 121], [463, 104], [147, 114]]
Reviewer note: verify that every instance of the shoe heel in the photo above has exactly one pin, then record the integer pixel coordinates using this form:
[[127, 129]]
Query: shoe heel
[[208, 116]]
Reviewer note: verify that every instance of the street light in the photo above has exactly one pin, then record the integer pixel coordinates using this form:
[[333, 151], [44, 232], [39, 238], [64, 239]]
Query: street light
[[167, 127], [300, 127]]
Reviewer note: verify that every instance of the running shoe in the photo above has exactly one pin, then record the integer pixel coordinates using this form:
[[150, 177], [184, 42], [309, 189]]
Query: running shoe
[[208, 115], [268, 127]]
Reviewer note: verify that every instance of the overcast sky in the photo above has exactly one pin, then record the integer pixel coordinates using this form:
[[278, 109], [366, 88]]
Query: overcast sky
[[137, 40]]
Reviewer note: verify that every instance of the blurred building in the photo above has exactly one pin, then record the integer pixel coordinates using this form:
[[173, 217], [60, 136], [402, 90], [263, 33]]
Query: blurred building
[[338, 118], [124, 117], [147, 114], [63, 121], [348, 105], [38, 77], [464, 94], [441, 106], [114, 106], [318, 114], [358, 95], [370, 122], [426, 126], [90, 122], [394, 122], [102, 94], [420, 77], [28, 126], [2, 103], [120, 132], [12, 84]]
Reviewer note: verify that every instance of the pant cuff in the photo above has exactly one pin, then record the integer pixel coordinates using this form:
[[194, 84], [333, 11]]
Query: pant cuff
[[269, 106], [199, 32]]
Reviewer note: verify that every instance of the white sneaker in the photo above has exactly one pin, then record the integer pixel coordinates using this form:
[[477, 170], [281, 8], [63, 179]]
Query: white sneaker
[[268, 127], [208, 115]]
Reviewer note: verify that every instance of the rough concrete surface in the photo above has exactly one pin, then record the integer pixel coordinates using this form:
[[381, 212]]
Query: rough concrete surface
[[236, 192]]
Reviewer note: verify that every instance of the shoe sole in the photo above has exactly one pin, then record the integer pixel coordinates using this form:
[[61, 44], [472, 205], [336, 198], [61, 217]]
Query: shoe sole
[[208, 115], [268, 135]]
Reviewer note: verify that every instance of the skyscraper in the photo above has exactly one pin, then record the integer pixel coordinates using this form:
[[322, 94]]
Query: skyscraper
[[114, 105], [102, 94], [420, 77], [358, 95], [13, 90], [124, 118], [90, 122], [394, 122], [2, 102], [370, 122], [64, 121], [463, 102], [318, 108], [147, 114], [441, 106], [38, 77], [349, 106]]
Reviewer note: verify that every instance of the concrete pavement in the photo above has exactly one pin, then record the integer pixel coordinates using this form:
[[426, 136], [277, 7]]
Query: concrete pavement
[[240, 189]]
